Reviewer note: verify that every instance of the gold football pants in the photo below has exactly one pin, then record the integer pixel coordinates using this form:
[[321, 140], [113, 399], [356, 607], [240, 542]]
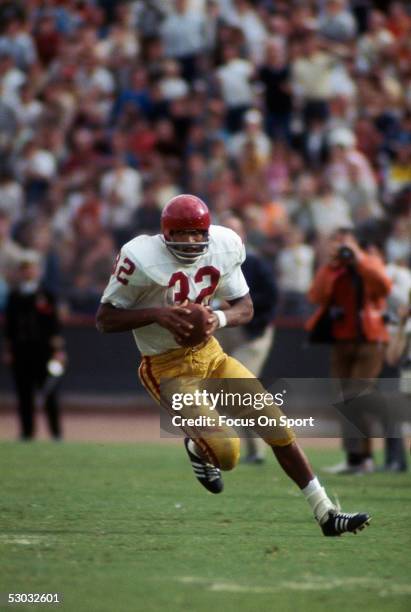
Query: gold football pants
[[221, 445]]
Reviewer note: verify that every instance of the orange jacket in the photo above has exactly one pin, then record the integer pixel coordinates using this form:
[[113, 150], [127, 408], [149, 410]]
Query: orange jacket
[[329, 289]]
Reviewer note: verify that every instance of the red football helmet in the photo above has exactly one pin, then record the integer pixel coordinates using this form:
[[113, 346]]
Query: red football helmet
[[185, 212]]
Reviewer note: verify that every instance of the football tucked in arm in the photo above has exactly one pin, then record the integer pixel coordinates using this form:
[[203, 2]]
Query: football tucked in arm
[[198, 318]]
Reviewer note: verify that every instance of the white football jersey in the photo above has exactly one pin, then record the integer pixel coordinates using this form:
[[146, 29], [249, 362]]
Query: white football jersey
[[148, 275]]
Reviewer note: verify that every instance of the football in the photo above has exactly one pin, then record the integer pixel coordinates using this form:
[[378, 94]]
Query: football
[[198, 317]]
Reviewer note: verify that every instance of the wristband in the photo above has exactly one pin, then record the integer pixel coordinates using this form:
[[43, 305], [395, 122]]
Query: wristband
[[222, 319]]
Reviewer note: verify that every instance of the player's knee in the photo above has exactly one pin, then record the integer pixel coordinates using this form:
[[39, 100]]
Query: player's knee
[[228, 454]]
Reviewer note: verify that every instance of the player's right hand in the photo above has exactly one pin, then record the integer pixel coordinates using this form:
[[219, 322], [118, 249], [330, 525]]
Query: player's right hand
[[174, 318]]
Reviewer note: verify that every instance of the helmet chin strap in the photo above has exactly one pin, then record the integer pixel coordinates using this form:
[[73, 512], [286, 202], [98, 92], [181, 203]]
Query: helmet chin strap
[[179, 252]]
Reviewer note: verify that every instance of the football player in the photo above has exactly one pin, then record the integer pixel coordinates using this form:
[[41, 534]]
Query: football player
[[153, 279]]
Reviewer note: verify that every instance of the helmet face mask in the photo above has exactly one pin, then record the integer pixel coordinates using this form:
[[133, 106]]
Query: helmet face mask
[[186, 216], [187, 251]]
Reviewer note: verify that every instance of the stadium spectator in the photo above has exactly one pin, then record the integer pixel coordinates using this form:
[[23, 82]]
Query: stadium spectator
[[29, 109], [121, 193], [11, 79], [294, 268], [398, 246], [36, 235], [36, 169], [10, 252], [251, 136], [17, 41], [374, 41], [347, 163], [183, 36], [329, 209], [136, 95], [147, 216], [274, 73], [234, 76], [172, 85], [122, 44], [47, 38], [337, 22], [311, 77], [11, 196], [245, 17]]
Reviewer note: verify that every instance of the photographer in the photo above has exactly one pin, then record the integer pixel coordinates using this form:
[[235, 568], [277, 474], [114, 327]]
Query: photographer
[[351, 290]]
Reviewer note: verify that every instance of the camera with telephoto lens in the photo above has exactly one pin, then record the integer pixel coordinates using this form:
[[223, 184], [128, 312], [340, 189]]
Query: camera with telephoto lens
[[345, 255]]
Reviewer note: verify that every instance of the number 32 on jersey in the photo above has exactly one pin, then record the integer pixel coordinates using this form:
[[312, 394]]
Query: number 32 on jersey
[[207, 276]]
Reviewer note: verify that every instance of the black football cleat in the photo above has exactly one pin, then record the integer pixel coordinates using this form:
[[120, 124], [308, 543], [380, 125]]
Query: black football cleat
[[206, 473], [342, 522]]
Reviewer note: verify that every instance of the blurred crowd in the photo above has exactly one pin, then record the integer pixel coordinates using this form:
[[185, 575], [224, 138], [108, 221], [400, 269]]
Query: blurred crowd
[[293, 115]]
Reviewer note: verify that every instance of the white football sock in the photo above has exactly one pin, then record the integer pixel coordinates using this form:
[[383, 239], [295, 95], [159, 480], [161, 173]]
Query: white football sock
[[318, 499]]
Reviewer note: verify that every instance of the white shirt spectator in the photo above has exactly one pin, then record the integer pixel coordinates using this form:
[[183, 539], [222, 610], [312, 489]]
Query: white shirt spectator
[[260, 141], [10, 84], [12, 200], [20, 47], [121, 189], [295, 268], [361, 163], [119, 43], [28, 114], [401, 283], [234, 77], [164, 193], [340, 27], [183, 34], [173, 88], [312, 76], [10, 252], [341, 84], [63, 217], [255, 33], [371, 45], [330, 212], [347, 163], [398, 248], [43, 164], [39, 163], [99, 78]]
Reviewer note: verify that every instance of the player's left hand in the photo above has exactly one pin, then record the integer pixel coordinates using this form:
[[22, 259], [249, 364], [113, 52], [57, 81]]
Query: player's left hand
[[213, 322]]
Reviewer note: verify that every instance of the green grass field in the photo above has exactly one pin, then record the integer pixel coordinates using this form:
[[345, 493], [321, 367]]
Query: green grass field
[[120, 527]]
